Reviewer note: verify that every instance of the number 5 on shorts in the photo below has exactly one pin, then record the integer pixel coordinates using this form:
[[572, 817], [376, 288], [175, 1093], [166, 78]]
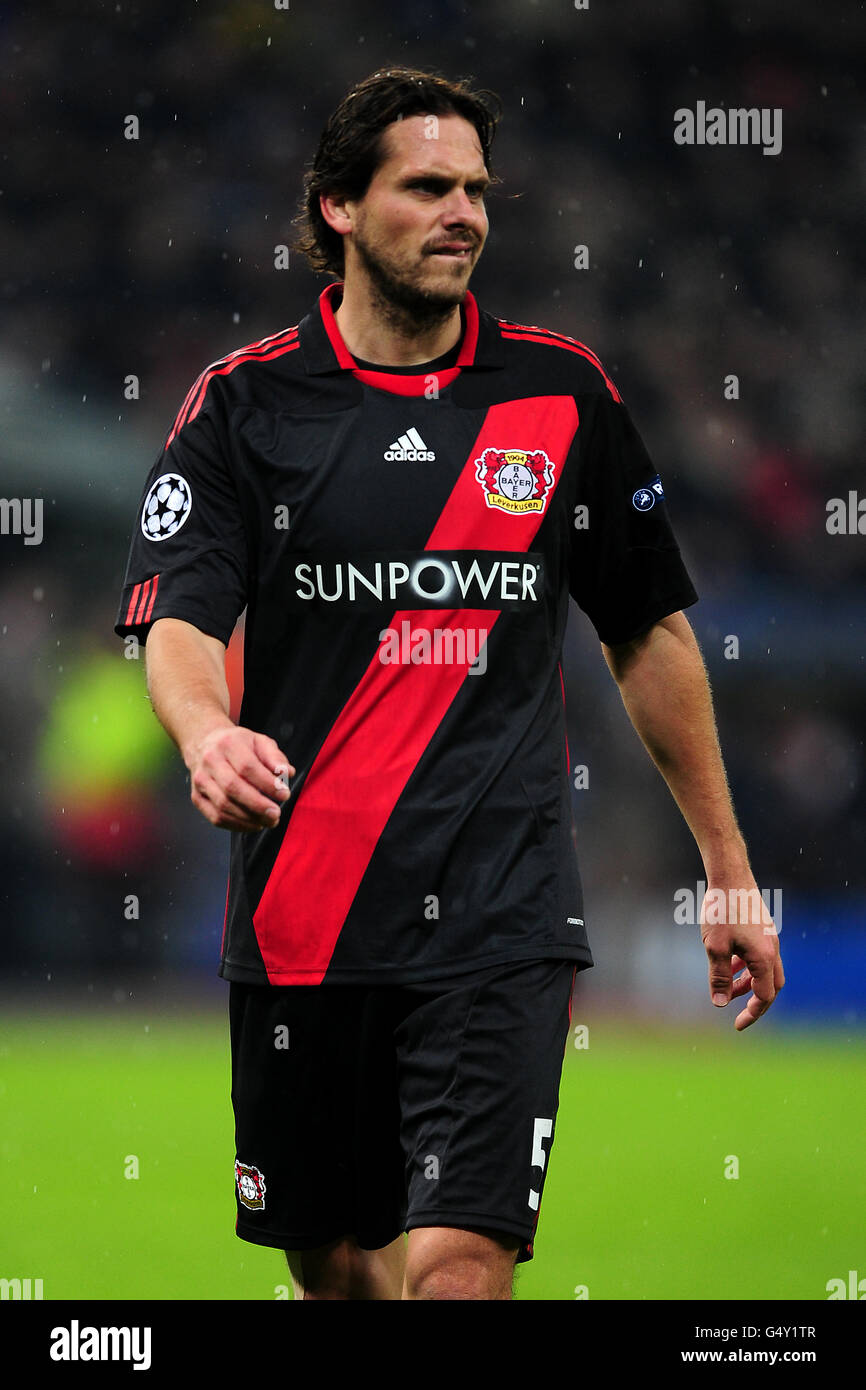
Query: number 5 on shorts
[[543, 1130]]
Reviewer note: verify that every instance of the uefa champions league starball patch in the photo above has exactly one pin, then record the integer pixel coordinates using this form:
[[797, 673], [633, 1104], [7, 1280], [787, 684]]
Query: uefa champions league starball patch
[[645, 497], [166, 507], [251, 1185]]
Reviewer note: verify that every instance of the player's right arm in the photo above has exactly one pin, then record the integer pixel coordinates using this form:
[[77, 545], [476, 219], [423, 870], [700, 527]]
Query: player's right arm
[[238, 778]]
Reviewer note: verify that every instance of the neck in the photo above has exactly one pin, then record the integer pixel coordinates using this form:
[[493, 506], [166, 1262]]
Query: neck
[[376, 329]]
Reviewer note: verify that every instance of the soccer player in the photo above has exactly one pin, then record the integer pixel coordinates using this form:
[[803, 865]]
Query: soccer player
[[402, 491]]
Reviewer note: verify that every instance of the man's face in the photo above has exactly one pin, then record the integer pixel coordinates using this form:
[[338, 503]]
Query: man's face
[[421, 226]]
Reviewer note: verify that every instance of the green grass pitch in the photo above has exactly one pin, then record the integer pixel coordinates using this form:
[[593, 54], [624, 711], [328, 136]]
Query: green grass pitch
[[637, 1203]]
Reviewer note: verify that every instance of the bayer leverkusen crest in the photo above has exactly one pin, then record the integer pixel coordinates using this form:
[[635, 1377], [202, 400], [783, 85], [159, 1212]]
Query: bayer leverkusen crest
[[251, 1185], [514, 480]]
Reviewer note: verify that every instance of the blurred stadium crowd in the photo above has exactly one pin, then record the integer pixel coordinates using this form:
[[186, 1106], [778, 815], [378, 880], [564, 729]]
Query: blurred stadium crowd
[[151, 257]]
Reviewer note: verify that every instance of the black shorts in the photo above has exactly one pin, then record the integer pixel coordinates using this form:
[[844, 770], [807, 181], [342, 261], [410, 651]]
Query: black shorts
[[368, 1110]]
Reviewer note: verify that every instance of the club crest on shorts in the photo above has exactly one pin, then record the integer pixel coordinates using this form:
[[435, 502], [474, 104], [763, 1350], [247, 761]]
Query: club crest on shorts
[[515, 480], [251, 1185]]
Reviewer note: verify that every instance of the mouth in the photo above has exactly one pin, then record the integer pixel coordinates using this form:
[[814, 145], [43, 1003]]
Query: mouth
[[456, 252]]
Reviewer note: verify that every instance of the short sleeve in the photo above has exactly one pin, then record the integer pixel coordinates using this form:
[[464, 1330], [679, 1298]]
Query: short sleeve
[[626, 571], [188, 553]]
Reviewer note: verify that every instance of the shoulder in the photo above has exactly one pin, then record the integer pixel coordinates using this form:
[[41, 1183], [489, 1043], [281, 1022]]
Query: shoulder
[[243, 376], [565, 362]]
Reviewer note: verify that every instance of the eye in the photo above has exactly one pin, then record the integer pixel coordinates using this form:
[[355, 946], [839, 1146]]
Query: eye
[[427, 185]]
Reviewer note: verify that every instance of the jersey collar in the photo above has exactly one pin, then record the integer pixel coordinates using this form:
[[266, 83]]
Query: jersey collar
[[323, 349]]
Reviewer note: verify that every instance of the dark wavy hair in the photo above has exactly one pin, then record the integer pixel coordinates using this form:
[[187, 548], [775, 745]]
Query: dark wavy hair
[[350, 148]]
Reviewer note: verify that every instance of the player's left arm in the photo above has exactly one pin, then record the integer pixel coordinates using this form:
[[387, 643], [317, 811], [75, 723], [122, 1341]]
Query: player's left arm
[[664, 688]]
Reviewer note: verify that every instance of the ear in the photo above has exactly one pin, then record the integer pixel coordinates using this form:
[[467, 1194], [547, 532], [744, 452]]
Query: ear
[[335, 211]]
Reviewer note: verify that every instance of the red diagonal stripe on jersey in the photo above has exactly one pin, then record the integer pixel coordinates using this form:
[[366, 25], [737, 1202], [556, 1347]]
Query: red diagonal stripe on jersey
[[385, 726]]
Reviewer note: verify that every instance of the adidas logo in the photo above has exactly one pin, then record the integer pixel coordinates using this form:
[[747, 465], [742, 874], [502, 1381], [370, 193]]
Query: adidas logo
[[409, 446]]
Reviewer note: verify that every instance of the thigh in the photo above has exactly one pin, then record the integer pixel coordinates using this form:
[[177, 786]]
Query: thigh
[[479, 1070], [318, 1156]]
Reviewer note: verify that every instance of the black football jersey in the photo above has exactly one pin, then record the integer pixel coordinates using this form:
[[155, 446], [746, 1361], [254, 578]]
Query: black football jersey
[[405, 543]]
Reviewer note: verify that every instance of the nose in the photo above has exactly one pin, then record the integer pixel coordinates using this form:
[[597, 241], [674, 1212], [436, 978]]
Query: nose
[[461, 209]]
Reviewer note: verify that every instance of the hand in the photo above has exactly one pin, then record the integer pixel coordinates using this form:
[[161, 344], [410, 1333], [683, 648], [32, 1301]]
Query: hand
[[239, 779], [739, 935]]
